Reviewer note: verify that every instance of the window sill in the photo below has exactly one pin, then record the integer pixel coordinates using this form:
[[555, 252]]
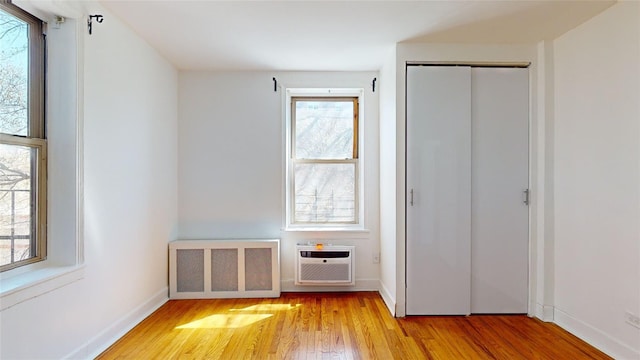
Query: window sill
[[330, 232], [31, 284]]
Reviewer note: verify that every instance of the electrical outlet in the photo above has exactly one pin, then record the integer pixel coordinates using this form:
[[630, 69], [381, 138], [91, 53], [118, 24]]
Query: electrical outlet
[[376, 257], [631, 319]]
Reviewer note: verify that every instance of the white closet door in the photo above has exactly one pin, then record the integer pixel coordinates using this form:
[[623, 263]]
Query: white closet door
[[438, 190], [499, 230]]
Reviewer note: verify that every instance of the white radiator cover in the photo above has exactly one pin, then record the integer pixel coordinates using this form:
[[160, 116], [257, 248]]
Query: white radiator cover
[[206, 269], [325, 265]]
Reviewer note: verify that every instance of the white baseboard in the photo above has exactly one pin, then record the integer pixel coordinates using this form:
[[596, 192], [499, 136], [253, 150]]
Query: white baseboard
[[99, 343], [361, 285], [389, 300], [595, 337], [544, 312]]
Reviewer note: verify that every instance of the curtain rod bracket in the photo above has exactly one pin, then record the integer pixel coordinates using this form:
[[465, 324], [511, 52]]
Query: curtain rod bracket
[[99, 19]]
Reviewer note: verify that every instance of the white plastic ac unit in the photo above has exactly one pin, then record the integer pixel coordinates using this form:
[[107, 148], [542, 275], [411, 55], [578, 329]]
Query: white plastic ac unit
[[326, 265]]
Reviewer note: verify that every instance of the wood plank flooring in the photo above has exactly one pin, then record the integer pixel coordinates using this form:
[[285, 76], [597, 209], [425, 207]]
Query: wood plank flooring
[[336, 326]]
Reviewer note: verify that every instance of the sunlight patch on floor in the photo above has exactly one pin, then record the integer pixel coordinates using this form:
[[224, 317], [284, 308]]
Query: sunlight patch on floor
[[269, 307], [238, 318], [225, 321]]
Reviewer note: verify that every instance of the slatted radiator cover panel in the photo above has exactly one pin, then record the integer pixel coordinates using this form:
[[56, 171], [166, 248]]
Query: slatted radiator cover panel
[[205, 269]]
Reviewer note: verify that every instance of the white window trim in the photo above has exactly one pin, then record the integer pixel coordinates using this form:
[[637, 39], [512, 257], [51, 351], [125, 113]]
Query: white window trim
[[359, 226], [31, 281]]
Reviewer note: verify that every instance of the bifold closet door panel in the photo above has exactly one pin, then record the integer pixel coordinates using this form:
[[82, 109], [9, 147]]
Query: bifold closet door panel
[[499, 175], [438, 190]]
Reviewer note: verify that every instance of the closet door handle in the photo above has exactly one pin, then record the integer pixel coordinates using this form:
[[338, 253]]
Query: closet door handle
[[411, 200], [525, 196]]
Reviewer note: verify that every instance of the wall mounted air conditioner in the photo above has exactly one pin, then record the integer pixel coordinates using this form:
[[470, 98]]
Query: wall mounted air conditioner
[[327, 265]]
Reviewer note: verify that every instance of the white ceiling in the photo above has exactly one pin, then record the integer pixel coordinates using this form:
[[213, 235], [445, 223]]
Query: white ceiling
[[334, 35]]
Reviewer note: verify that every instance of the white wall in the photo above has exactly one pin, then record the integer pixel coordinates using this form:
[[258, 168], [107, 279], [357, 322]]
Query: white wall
[[542, 230], [597, 177], [387, 85], [230, 138], [130, 178], [231, 163]]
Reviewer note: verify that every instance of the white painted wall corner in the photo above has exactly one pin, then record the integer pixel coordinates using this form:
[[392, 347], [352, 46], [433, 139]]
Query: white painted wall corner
[[99, 343]]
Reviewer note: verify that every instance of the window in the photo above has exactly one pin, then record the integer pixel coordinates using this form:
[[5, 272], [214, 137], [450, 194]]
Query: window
[[324, 162], [23, 146]]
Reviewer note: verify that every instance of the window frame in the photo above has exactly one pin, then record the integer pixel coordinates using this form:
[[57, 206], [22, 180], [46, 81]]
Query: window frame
[[334, 94], [35, 138]]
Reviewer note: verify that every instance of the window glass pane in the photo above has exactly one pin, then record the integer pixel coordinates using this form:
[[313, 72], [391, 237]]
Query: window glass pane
[[324, 130], [14, 75], [16, 203], [325, 193]]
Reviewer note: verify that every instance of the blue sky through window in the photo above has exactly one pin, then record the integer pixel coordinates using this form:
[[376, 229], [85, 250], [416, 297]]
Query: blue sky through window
[[14, 75]]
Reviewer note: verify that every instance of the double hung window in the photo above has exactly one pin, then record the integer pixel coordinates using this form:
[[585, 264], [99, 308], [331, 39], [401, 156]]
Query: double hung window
[[324, 161], [23, 146]]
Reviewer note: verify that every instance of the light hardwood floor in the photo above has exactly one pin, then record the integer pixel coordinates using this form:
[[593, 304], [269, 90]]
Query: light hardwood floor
[[336, 326]]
